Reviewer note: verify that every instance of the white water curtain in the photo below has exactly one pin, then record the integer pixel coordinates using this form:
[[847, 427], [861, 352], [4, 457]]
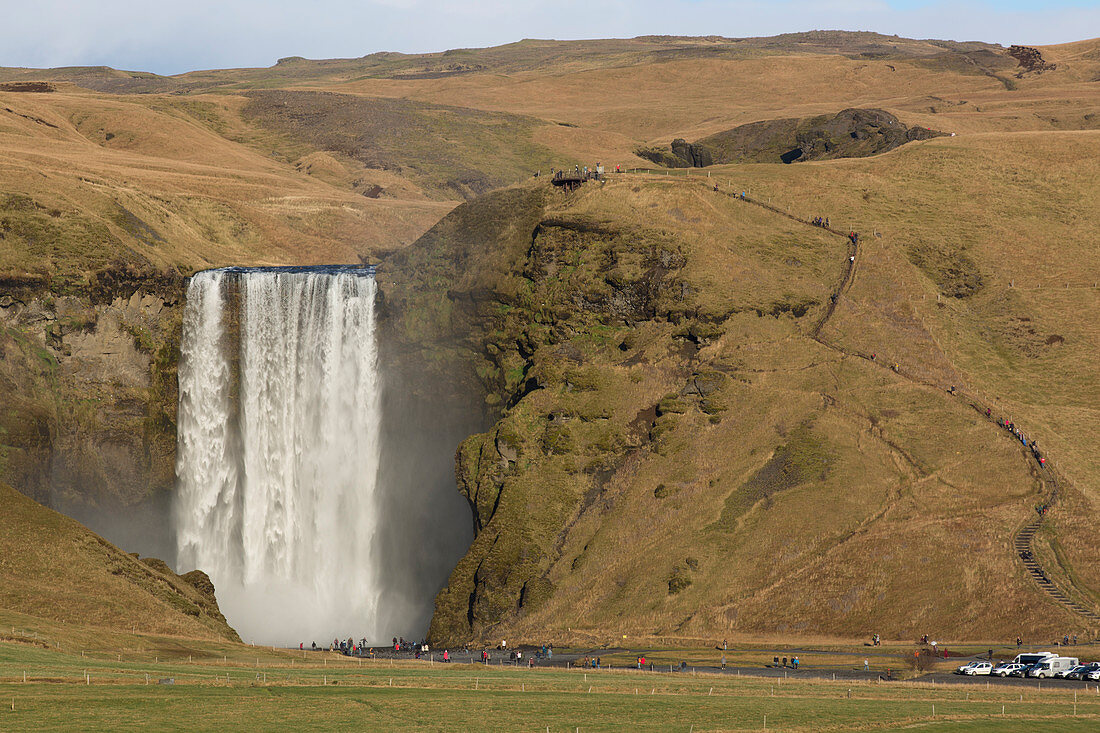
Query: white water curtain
[[277, 480]]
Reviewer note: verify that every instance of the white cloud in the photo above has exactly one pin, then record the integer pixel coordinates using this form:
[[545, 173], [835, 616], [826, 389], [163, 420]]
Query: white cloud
[[170, 37]]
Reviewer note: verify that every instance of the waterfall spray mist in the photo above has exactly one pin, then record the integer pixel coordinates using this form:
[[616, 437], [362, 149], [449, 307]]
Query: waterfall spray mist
[[278, 478]]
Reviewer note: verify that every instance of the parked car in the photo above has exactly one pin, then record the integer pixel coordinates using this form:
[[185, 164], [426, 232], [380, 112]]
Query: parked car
[[964, 669], [979, 668], [1069, 674], [1080, 671], [1093, 675], [1005, 669]]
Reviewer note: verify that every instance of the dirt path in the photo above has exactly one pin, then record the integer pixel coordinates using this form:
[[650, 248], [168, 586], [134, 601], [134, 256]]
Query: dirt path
[[1022, 539]]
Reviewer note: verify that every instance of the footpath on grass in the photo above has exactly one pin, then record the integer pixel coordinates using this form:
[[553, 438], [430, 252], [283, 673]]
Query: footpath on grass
[[1022, 539]]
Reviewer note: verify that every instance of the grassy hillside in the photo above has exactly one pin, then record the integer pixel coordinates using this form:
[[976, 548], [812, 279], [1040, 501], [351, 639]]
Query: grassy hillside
[[256, 166], [679, 453], [90, 182], [55, 569]]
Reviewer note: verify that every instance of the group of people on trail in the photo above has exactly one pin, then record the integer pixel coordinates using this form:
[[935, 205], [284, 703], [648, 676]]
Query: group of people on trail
[[776, 662], [1031, 445], [1043, 507], [821, 221], [585, 173]]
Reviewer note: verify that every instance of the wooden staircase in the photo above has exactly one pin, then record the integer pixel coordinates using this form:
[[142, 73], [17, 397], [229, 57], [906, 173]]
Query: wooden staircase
[[1021, 543]]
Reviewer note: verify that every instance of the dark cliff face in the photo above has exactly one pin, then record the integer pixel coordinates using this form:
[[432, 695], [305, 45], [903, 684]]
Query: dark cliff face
[[851, 133], [88, 398]]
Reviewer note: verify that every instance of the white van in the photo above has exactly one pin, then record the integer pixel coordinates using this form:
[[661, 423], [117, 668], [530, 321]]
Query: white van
[[1050, 667], [1031, 658]]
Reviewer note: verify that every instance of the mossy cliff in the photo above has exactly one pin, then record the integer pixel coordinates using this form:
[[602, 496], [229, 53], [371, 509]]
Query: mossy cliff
[[670, 450], [88, 398]]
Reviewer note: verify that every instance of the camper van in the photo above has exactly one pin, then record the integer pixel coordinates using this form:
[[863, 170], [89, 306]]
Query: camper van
[[1027, 660], [1032, 657], [1052, 666]]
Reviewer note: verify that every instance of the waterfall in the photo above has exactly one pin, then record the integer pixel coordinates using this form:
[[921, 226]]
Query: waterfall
[[278, 450]]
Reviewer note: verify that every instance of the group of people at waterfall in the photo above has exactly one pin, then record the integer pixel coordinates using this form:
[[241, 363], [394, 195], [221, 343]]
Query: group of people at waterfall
[[352, 648], [420, 650]]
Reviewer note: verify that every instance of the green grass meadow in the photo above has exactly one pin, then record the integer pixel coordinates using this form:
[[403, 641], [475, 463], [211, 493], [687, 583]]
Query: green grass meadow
[[280, 690]]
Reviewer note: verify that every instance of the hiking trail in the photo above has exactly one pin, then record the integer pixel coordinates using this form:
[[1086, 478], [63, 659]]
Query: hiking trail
[[1022, 538]]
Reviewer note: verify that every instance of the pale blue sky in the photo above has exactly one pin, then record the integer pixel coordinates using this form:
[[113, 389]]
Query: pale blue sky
[[173, 36]]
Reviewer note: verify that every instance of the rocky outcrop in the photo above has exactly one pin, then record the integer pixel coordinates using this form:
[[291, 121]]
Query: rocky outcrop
[[697, 156], [1029, 59], [682, 155], [851, 133], [32, 87]]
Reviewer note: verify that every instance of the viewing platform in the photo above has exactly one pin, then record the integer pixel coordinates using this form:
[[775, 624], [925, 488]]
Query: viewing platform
[[569, 182]]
